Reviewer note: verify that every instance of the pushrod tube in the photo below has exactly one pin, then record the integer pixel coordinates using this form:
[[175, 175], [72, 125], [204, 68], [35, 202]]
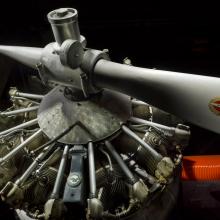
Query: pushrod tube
[[19, 111], [29, 95], [20, 126], [60, 174], [19, 147], [92, 177], [149, 149], [120, 162]]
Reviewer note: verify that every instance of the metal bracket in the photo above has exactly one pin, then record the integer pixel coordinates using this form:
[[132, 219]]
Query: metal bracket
[[75, 192]]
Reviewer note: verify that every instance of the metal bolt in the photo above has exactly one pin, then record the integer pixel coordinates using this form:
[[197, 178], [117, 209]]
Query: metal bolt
[[74, 180], [127, 61], [61, 12]]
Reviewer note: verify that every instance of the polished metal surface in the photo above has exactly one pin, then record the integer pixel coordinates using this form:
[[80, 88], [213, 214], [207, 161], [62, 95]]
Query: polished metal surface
[[92, 178], [120, 162], [20, 126], [29, 56], [184, 95], [99, 117], [19, 111], [20, 146], [151, 151], [60, 174], [29, 95]]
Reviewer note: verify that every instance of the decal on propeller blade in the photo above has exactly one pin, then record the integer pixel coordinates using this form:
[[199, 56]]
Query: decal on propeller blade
[[214, 105]]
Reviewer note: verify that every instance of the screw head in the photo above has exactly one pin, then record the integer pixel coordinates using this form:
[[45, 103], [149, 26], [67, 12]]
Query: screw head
[[74, 180]]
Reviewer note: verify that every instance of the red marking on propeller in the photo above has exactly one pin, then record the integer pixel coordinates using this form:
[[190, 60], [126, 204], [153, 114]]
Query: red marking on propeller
[[214, 106]]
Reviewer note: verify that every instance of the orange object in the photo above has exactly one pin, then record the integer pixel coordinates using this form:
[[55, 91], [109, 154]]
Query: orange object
[[201, 168]]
